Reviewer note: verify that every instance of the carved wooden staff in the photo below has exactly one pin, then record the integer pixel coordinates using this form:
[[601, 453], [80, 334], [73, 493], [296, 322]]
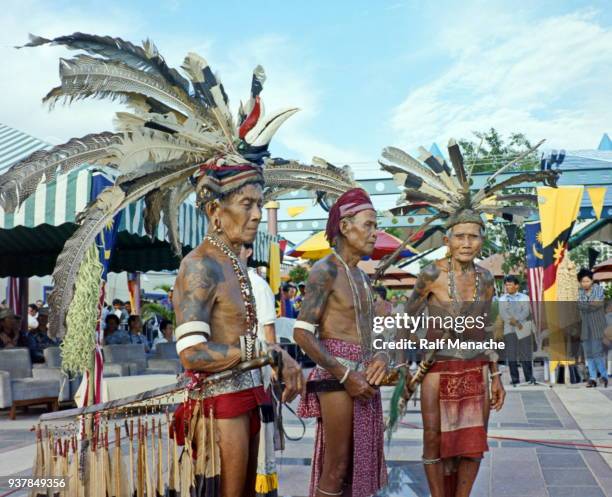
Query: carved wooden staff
[[269, 360]]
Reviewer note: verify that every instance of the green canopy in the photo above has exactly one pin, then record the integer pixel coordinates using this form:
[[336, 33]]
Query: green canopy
[[32, 237]]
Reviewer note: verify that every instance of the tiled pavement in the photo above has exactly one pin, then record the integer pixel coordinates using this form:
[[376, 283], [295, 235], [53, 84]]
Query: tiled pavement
[[511, 468]]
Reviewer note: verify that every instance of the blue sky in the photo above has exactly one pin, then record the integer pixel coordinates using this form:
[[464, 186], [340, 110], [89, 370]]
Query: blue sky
[[366, 74]]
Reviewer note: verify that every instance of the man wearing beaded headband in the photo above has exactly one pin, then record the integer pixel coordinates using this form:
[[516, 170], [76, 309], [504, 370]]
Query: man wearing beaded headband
[[217, 324], [455, 400], [455, 395], [334, 328]]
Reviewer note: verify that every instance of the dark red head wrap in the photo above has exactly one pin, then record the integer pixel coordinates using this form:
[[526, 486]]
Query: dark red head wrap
[[348, 204]]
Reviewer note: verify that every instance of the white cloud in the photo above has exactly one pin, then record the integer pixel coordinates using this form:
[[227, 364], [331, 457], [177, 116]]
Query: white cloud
[[31, 73], [549, 79]]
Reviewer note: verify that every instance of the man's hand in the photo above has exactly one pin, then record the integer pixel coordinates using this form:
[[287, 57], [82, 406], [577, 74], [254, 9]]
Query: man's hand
[[376, 370], [292, 377], [498, 394], [357, 386]]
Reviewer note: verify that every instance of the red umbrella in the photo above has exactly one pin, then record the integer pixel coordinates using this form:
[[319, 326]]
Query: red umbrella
[[316, 247], [387, 244]]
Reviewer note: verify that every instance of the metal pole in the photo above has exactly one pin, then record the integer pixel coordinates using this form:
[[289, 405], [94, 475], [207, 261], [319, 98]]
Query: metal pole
[[272, 210]]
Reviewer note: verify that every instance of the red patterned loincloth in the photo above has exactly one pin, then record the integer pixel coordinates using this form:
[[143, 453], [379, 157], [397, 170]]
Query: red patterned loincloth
[[224, 406], [462, 403], [369, 470]]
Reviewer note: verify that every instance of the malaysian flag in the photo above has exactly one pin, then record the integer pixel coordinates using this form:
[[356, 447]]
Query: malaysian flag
[[535, 270]]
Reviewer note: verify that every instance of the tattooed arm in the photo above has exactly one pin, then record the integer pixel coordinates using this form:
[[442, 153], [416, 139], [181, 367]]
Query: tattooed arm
[[319, 286], [498, 394], [193, 299], [422, 288]]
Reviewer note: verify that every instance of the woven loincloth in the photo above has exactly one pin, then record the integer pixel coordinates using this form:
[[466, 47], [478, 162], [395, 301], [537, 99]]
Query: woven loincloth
[[462, 406], [369, 470]]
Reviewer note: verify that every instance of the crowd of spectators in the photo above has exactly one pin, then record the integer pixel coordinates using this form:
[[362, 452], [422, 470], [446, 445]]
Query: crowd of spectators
[[35, 339]]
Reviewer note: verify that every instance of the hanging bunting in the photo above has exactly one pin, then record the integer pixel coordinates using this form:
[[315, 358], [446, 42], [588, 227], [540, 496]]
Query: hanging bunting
[[296, 211], [597, 194]]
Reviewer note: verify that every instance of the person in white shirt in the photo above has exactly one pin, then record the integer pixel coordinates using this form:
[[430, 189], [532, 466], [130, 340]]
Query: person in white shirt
[[514, 311], [264, 300], [266, 316], [167, 329], [32, 317]]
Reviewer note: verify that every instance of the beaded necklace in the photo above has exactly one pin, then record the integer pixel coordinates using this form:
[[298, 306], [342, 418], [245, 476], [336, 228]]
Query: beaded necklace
[[245, 290], [452, 287], [365, 340]]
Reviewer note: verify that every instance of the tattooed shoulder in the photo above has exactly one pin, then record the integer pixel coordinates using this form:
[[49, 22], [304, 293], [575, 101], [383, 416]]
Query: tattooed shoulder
[[426, 277], [323, 271], [485, 275], [201, 273], [487, 279], [430, 272], [319, 285], [195, 288]]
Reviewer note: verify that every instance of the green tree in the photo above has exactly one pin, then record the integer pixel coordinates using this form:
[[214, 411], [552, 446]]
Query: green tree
[[497, 242], [298, 274], [580, 254], [152, 309], [491, 150]]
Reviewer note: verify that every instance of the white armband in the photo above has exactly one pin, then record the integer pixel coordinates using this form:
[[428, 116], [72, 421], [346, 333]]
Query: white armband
[[190, 334], [305, 326]]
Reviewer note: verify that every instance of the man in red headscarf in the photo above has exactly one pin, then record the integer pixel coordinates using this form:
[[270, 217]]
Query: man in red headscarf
[[334, 328]]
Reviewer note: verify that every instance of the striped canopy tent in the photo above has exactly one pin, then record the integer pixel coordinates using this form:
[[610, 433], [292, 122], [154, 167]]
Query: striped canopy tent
[[32, 237]]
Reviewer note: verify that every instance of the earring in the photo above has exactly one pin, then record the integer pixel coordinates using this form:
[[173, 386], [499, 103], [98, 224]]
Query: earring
[[218, 228]]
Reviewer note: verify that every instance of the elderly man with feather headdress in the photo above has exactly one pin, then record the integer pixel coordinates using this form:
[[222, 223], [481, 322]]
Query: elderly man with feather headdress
[[334, 328], [179, 136], [460, 384]]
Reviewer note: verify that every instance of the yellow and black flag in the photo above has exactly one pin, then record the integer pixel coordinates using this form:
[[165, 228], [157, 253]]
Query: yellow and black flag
[[558, 211]]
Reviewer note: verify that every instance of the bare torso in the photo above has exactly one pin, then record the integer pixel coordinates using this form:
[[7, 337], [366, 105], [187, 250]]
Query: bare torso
[[221, 304], [471, 298], [465, 283], [339, 317]]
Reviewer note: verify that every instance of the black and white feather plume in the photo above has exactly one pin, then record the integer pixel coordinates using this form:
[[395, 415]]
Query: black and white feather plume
[[177, 121], [430, 182]]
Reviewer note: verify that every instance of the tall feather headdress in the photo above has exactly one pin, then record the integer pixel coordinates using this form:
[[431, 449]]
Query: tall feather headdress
[[430, 182], [179, 136]]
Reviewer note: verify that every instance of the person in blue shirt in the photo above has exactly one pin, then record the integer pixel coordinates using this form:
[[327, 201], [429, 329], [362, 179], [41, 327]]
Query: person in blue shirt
[[288, 302], [112, 334], [135, 331], [37, 338], [591, 304], [514, 310]]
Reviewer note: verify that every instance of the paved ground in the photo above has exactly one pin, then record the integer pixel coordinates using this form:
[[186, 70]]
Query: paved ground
[[511, 468]]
